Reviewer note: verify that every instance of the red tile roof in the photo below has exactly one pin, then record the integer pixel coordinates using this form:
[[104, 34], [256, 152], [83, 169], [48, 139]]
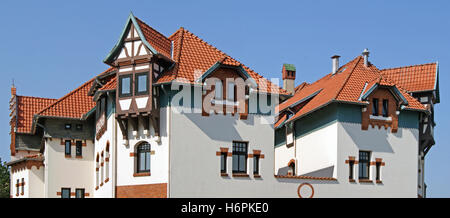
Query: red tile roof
[[26, 108], [73, 105], [345, 86], [157, 40], [193, 57], [111, 85], [414, 78]]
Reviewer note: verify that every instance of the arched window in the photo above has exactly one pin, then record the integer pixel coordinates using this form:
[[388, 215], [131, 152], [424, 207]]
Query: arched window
[[292, 169], [102, 171], [143, 158], [97, 165], [107, 162]]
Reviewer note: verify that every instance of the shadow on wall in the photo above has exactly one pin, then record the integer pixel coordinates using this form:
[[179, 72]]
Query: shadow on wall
[[373, 139], [325, 172], [224, 127]]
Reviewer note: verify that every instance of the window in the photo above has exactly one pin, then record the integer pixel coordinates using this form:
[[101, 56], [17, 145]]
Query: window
[[385, 107], [256, 165], [65, 192], [67, 149], [291, 169], [239, 157], [364, 164], [141, 83], [125, 86], [17, 186], [67, 126], [378, 168], [351, 164], [230, 91], [79, 150], [143, 158], [79, 127], [101, 109], [223, 162], [23, 186], [375, 107], [79, 193], [218, 90]]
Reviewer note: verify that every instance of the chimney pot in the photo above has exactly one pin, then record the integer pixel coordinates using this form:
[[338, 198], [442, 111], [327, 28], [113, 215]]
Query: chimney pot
[[335, 62], [365, 54], [288, 75]]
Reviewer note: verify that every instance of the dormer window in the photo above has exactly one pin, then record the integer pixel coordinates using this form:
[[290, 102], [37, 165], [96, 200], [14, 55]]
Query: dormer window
[[68, 126], [125, 85], [375, 107], [142, 83], [385, 107], [218, 90], [230, 91]]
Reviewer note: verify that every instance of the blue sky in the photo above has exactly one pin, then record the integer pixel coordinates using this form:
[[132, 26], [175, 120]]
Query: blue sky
[[51, 47]]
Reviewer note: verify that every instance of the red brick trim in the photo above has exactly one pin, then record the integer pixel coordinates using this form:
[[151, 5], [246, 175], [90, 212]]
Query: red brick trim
[[250, 155], [107, 159], [97, 169], [240, 175], [79, 156], [230, 154], [106, 180], [101, 184], [256, 176], [141, 174], [142, 191], [72, 194], [257, 152], [379, 182], [68, 156], [58, 193], [306, 177], [86, 194], [300, 187], [132, 154], [96, 187], [292, 161], [365, 181], [351, 180], [224, 174]]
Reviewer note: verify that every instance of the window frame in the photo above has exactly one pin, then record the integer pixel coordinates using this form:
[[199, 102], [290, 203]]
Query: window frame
[[361, 162], [243, 151], [17, 186], [68, 147], [385, 108], [377, 171], [82, 192], [231, 88], [375, 107], [216, 97], [68, 126], [121, 77], [62, 192], [256, 159], [223, 162], [351, 166], [79, 145], [136, 85], [23, 186], [138, 157]]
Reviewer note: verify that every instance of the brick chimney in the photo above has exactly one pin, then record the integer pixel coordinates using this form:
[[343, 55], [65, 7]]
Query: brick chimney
[[289, 77], [13, 90], [365, 54]]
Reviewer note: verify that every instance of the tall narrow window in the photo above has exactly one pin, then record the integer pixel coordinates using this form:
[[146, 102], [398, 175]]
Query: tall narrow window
[[17, 186], [375, 107], [256, 165], [68, 146], [143, 157], [351, 165], [65, 192], [239, 157], [385, 107], [378, 168], [223, 162], [230, 91], [23, 186], [364, 164], [79, 148], [125, 86], [79, 193], [218, 90], [141, 83], [291, 169]]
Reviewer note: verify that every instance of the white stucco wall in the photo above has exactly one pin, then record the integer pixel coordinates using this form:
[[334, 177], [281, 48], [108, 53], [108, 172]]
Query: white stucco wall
[[62, 172]]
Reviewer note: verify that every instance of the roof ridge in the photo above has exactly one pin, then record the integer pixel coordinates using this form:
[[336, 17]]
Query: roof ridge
[[348, 77], [36, 97], [408, 66], [176, 32]]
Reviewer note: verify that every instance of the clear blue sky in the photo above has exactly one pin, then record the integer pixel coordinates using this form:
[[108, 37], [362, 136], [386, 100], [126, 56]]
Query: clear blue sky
[[51, 47]]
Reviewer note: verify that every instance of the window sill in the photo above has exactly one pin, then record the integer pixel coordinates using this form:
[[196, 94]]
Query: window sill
[[224, 174], [68, 156], [256, 176], [379, 182], [240, 175], [79, 156], [351, 180], [106, 180], [365, 181], [96, 188], [141, 174]]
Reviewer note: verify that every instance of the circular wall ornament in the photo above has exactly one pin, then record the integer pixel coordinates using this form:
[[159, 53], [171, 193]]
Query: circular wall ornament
[[305, 190]]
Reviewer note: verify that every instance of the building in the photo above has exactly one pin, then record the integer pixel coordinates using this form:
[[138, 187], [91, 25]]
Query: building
[[176, 117]]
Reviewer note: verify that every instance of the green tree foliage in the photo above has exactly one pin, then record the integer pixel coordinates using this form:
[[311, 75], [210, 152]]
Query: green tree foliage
[[4, 180]]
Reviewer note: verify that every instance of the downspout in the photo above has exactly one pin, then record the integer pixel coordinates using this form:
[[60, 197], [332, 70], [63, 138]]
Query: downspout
[[114, 138]]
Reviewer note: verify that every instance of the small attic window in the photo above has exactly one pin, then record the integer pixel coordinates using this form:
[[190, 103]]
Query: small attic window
[[67, 126], [79, 127], [342, 70]]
